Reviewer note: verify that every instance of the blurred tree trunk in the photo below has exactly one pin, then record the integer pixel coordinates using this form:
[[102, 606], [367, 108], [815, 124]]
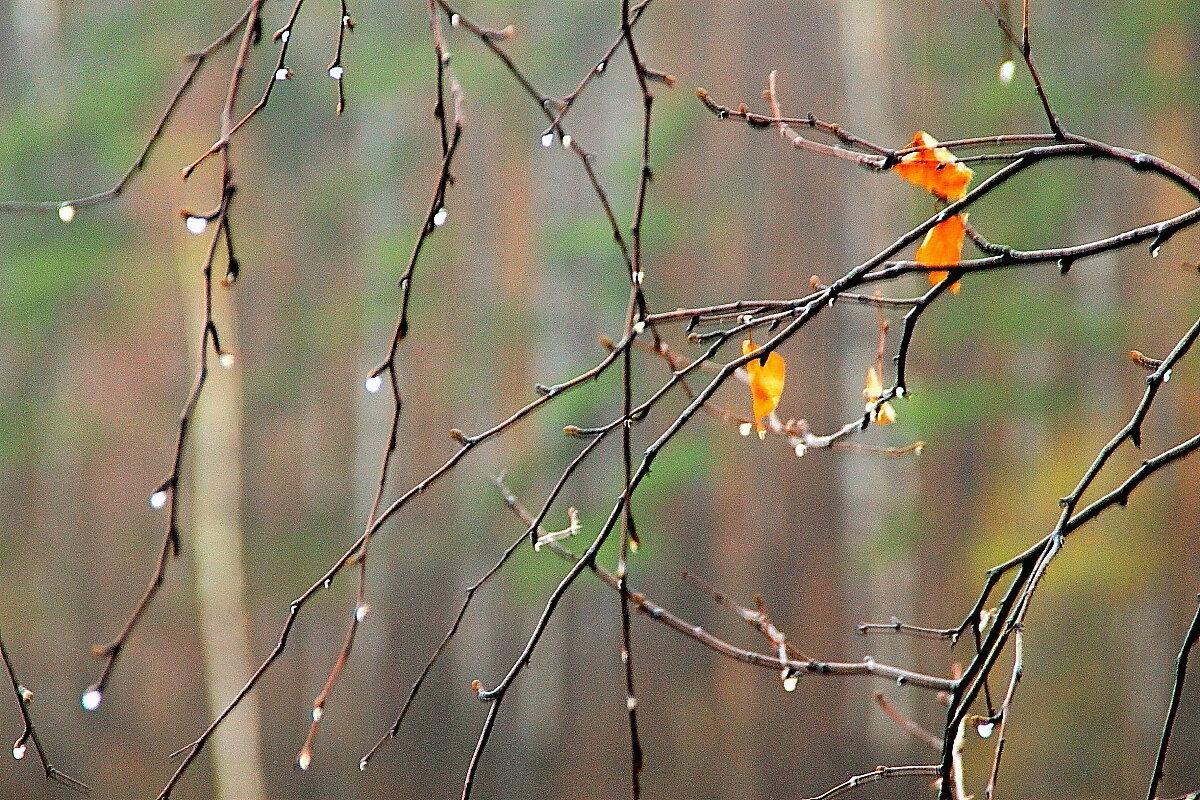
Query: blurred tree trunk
[[880, 569]]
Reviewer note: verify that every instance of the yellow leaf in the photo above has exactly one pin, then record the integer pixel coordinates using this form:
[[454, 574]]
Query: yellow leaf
[[934, 169], [942, 247], [883, 413], [766, 384]]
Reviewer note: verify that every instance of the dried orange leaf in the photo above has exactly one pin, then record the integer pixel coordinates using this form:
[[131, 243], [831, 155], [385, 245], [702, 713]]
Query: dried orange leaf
[[766, 384], [942, 247], [881, 413], [934, 169]]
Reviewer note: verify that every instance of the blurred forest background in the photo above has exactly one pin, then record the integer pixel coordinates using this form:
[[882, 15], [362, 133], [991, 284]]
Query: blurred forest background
[[1016, 382]]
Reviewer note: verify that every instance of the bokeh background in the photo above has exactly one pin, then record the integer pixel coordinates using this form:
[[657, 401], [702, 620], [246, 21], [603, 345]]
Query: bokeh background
[[1016, 382]]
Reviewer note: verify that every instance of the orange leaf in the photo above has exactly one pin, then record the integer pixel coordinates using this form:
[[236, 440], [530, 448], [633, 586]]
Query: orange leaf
[[934, 169], [766, 384], [883, 413], [942, 247]]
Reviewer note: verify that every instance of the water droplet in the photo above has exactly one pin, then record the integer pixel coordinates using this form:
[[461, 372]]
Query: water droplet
[[286, 34], [360, 613], [639, 326], [439, 219], [303, 760], [567, 142], [789, 681], [19, 750], [745, 428], [226, 360], [1007, 71], [547, 139], [1166, 376], [1154, 251], [349, 23], [318, 712], [373, 383], [801, 450], [901, 391], [985, 729], [196, 225], [336, 72], [26, 694], [603, 65], [362, 764], [327, 582], [745, 319], [66, 212], [455, 19], [158, 499], [631, 702], [91, 699], [283, 74]]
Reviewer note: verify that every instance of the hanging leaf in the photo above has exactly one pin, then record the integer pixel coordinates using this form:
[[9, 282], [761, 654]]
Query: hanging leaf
[[934, 169], [942, 247], [766, 384], [881, 413]]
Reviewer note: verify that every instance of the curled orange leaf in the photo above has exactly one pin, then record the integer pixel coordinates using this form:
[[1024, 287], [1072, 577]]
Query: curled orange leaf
[[934, 169], [881, 413], [942, 247], [766, 384]]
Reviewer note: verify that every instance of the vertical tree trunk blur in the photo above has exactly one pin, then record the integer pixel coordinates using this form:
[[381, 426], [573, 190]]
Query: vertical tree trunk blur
[[212, 500], [880, 569]]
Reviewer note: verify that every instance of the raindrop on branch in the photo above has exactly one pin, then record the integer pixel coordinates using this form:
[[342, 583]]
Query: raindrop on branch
[[373, 383], [91, 699], [226, 360], [196, 225], [19, 749], [66, 212], [439, 219], [984, 729], [547, 139], [157, 501], [336, 72], [283, 74], [1007, 71]]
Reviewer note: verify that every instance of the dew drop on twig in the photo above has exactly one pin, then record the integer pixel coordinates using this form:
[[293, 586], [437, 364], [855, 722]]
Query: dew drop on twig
[[66, 212], [336, 72], [196, 225], [984, 729], [362, 764], [317, 713], [303, 760], [19, 749], [567, 141], [1154, 251], [91, 699], [603, 65], [360, 613], [439, 219], [284, 36], [226, 360], [158, 499], [547, 139], [745, 428], [1007, 71], [455, 19], [283, 74], [801, 450], [373, 383]]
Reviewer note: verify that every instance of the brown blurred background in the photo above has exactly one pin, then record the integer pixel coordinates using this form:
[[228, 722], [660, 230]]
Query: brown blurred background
[[1016, 382]]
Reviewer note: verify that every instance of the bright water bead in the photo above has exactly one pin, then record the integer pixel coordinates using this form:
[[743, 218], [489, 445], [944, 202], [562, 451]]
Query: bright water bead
[[336, 72], [158, 499], [547, 139], [66, 212], [439, 219], [91, 699], [373, 383], [196, 225], [19, 750]]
